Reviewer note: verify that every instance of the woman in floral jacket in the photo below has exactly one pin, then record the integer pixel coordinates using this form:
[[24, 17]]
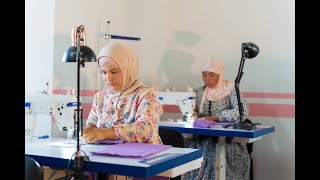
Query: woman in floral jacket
[[127, 109]]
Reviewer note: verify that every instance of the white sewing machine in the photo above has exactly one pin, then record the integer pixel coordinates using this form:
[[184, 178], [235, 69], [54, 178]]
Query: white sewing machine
[[184, 100], [61, 108]]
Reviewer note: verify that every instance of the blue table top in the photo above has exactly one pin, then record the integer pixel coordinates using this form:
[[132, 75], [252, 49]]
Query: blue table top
[[48, 153], [187, 128]]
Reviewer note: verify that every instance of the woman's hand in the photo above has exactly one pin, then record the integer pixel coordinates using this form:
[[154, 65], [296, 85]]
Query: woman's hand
[[194, 116], [93, 134], [210, 118], [91, 125]]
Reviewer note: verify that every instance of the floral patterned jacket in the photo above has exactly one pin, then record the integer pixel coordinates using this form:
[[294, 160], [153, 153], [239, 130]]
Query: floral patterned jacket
[[135, 117]]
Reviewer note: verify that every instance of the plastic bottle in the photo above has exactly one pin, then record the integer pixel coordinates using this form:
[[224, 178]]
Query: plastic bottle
[[29, 125], [161, 100], [70, 135]]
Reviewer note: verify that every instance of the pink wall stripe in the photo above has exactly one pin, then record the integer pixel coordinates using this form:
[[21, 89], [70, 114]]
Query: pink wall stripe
[[272, 110], [256, 109], [59, 91], [171, 109], [269, 95], [82, 92], [86, 107], [246, 94]]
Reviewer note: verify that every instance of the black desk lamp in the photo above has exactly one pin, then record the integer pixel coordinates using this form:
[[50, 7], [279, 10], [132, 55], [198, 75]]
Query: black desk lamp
[[79, 53], [248, 50]]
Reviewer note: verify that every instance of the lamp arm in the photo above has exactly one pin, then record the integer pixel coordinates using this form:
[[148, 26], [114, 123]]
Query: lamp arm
[[244, 54], [78, 90], [240, 105], [237, 85], [79, 53], [240, 72], [79, 160]]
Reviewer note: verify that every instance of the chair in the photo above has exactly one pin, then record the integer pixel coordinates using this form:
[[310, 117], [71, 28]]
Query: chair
[[32, 170], [171, 137], [174, 138]]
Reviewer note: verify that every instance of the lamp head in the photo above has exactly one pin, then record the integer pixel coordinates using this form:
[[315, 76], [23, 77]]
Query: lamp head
[[252, 50], [86, 54]]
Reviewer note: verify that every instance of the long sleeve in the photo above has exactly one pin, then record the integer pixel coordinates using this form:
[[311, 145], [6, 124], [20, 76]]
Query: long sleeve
[[199, 93], [93, 114], [134, 117], [145, 127]]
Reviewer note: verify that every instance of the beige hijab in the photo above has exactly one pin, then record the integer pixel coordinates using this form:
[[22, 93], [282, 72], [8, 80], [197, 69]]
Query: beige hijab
[[222, 89], [127, 61]]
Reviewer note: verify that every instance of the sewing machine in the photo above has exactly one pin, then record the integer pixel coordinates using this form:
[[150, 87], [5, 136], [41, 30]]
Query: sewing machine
[[61, 108], [184, 100]]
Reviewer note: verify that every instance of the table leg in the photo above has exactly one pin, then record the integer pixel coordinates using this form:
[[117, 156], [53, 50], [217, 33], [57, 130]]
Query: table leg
[[220, 167]]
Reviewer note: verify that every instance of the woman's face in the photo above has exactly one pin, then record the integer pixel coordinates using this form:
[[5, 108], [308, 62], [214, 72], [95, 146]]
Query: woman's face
[[111, 75], [210, 79]]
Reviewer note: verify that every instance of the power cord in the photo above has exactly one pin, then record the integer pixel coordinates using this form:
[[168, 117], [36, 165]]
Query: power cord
[[71, 164]]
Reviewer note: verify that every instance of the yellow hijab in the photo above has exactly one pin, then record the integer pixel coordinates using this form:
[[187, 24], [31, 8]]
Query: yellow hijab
[[127, 61]]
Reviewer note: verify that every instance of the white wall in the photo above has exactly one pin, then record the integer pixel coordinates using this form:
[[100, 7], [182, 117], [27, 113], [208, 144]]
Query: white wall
[[39, 26], [176, 36], [183, 33]]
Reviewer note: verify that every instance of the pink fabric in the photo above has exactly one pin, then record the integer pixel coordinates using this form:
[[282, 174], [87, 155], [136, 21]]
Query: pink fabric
[[207, 123], [132, 149], [202, 123]]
